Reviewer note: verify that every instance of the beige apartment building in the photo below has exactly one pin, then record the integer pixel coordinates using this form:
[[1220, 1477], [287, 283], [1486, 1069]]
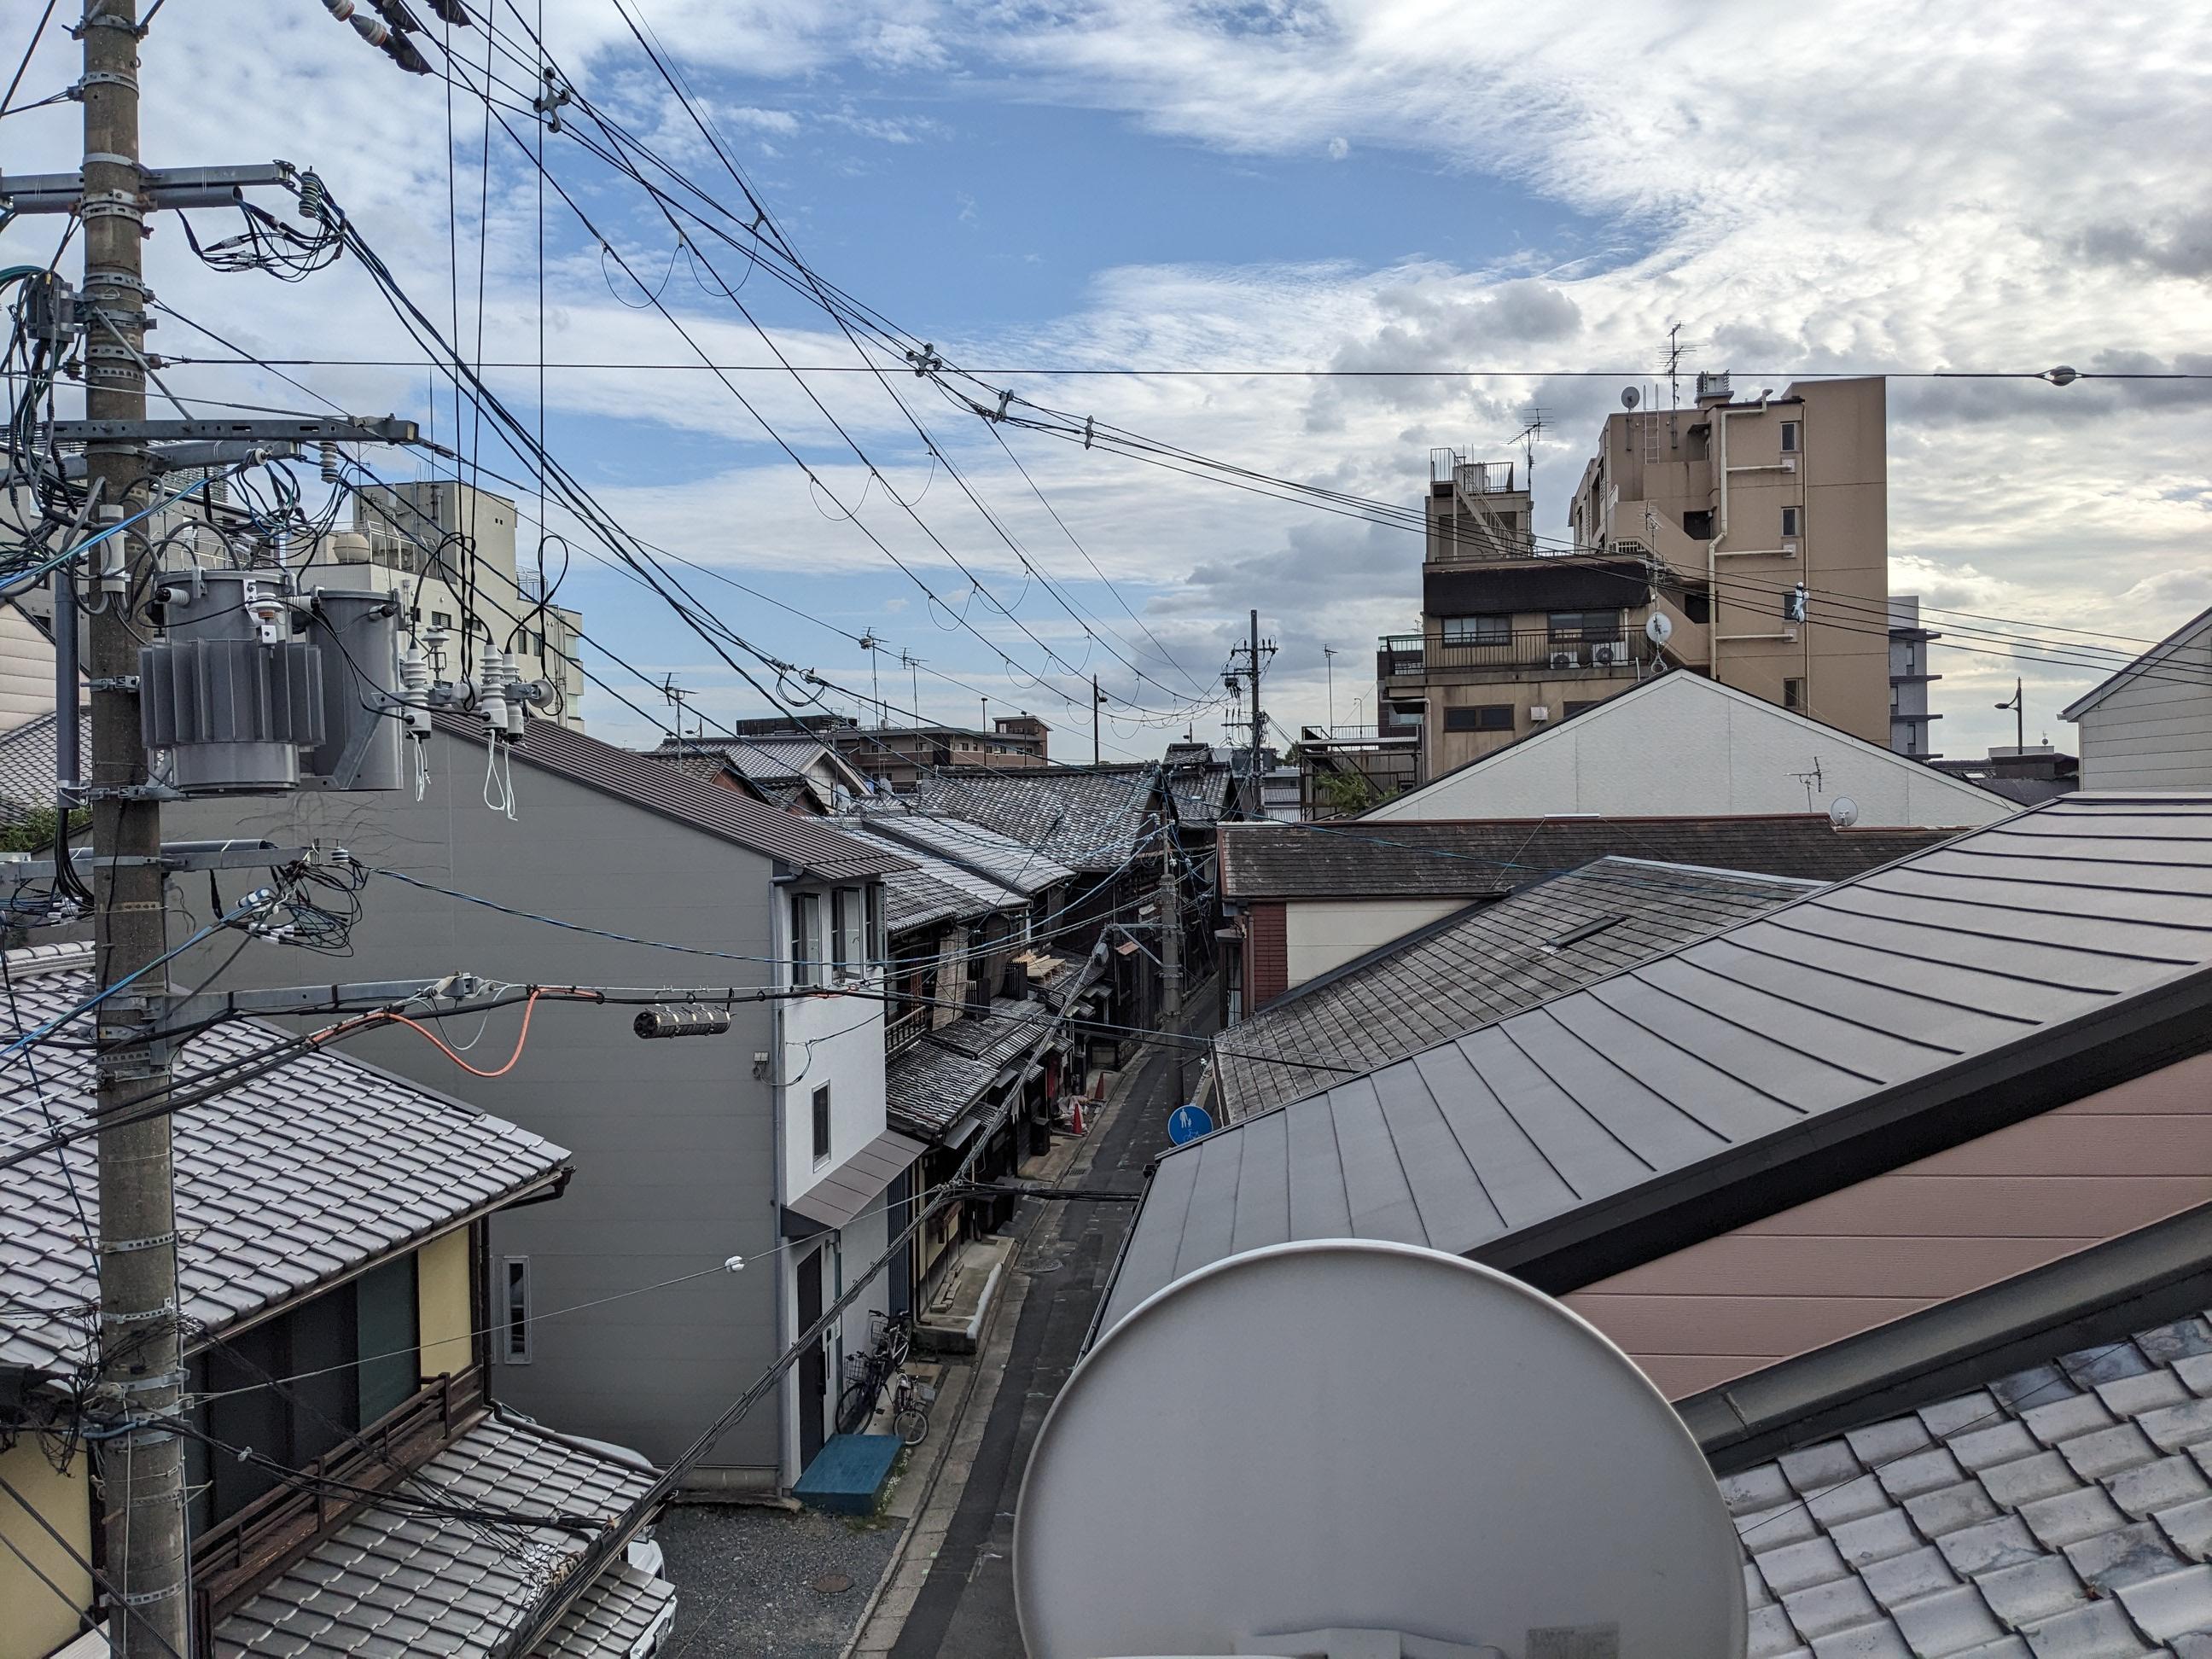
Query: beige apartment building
[[1754, 531]]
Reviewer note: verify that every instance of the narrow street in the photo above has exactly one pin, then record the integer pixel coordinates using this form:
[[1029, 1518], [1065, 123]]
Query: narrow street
[[966, 1607]]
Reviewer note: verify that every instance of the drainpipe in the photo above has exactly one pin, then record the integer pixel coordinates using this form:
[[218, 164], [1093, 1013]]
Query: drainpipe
[[1712, 547], [786, 1388]]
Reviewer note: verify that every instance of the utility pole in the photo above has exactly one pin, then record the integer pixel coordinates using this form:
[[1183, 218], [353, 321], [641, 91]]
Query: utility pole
[[1259, 731], [1328, 666], [2019, 706], [1096, 698], [142, 1470], [1170, 906]]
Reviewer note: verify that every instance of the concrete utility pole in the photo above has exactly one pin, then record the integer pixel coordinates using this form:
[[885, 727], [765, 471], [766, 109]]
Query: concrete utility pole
[[1259, 730], [1170, 905], [1096, 697], [2018, 704], [141, 1470]]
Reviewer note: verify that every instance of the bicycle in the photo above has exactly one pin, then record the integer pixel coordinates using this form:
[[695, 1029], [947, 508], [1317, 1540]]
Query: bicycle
[[890, 1342], [909, 1410]]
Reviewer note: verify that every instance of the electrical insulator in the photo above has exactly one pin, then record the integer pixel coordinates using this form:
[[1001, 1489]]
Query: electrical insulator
[[515, 697], [331, 472], [414, 687], [491, 695], [270, 614], [691, 1020]]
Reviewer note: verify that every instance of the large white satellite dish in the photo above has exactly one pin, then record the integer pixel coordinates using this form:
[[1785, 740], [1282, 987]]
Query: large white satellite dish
[[1317, 1440]]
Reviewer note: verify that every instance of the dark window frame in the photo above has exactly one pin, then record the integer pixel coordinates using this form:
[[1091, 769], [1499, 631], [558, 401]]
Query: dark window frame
[[1789, 438], [1497, 629], [514, 1309], [1479, 717], [822, 1136], [1793, 520]]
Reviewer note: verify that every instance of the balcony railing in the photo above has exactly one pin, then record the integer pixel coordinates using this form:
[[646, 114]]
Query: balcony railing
[[903, 1031], [1405, 656]]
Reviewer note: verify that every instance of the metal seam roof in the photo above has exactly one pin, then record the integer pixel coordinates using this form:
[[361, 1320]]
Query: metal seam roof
[[1859, 995]]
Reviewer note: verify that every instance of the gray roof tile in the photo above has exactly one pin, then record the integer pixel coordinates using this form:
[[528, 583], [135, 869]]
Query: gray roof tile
[[27, 762], [1477, 858], [1089, 819], [2105, 1554], [388, 1583], [1910, 984], [1476, 967], [265, 1175]]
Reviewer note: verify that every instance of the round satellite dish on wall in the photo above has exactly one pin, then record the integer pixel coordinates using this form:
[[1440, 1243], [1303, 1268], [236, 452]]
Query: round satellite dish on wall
[[1630, 397], [1658, 628], [1310, 1448], [1843, 811]]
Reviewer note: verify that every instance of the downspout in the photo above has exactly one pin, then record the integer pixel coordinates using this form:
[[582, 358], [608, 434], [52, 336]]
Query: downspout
[[785, 1420]]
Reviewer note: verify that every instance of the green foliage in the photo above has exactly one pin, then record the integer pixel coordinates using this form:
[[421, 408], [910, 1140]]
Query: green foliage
[[1346, 794], [33, 830]]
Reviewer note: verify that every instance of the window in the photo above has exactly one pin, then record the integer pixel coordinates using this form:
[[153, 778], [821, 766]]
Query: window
[[440, 619], [1698, 525], [385, 1314], [1791, 517], [1789, 437], [1406, 714], [1793, 694], [1698, 607], [822, 1123], [514, 1309], [1575, 708], [841, 950], [806, 939], [878, 947], [1488, 717], [1585, 624], [1477, 630]]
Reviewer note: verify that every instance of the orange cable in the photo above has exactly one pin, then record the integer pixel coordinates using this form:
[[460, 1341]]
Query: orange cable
[[520, 1038]]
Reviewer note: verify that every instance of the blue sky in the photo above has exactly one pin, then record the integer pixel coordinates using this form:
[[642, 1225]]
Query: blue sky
[[1277, 182]]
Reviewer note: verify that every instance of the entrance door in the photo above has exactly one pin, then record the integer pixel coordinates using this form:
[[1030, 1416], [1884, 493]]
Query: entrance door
[[813, 1365]]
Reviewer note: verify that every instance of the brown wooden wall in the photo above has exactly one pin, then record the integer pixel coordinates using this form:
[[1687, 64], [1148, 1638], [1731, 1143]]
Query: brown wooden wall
[[2104, 1166], [1266, 954]]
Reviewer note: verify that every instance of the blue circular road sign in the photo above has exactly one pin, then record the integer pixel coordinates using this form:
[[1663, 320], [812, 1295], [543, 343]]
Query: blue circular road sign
[[1187, 1123]]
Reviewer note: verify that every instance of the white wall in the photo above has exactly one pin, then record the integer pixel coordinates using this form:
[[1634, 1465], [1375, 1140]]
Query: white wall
[[1682, 746], [2154, 731], [1320, 934], [832, 1040], [27, 670]]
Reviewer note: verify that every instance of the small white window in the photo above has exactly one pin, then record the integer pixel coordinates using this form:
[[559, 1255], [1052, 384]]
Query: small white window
[[514, 1309]]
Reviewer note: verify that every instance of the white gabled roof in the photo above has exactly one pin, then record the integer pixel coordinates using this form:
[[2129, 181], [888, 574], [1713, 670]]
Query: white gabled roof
[[1714, 749], [2201, 623]]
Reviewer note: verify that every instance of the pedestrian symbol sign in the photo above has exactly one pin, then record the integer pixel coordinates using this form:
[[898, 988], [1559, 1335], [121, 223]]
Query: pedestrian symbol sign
[[1187, 1123]]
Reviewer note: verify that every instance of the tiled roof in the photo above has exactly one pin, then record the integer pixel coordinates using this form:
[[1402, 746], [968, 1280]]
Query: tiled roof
[[1644, 1096], [2062, 1512], [1010, 863], [388, 1583], [1200, 792], [930, 1085], [649, 783], [784, 765], [1477, 966], [27, 763], [936, 889], [1475, 857], [1088, 819], [283, 1182]]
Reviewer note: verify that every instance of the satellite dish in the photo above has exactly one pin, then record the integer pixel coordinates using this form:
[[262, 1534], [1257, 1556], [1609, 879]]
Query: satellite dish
[[1658, 628], [1843, 811], [1337, 1437], [1630, 397]]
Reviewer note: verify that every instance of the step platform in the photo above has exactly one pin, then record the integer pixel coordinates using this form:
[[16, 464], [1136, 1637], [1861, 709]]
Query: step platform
[[848, 1475]]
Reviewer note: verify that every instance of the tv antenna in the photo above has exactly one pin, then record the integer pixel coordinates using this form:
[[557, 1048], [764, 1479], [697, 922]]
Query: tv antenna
[[1673, 365], [1565, 1510], [1813, 781], [869, 643], [677, 696]]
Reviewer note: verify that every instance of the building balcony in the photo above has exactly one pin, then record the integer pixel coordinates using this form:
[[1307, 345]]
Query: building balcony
[[1519, 654], [901, 1031]]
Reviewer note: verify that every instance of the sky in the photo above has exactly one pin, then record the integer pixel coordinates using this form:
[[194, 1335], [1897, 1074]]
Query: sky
[[1870, 187]]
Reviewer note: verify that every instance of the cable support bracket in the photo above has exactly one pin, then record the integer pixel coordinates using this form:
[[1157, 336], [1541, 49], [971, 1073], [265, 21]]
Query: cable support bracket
[[125, 1246], [107, 20], [130, 792], [111, 204], [116, 683], [167, 1310], [925, 361], [147, 1598]]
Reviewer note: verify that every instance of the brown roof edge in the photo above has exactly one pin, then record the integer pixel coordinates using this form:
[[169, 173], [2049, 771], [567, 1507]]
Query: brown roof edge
[[651, 784]]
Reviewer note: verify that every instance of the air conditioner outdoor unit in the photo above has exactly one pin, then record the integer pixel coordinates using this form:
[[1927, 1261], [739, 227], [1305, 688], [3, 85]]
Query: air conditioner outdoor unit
[[1610, 654], [1566, 659]]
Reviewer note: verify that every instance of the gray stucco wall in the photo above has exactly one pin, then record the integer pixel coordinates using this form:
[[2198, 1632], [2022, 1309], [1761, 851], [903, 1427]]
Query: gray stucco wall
[[672, 1141]]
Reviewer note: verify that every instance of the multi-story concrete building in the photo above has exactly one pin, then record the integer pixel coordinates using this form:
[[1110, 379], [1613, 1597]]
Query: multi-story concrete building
[[1757, 530], [1909, 678], [450, 548]]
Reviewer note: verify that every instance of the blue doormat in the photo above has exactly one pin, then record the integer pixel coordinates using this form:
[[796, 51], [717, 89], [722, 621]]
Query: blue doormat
[[847, 1474]]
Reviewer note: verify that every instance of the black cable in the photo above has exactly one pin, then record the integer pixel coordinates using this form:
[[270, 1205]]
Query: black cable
[[37, 33]]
